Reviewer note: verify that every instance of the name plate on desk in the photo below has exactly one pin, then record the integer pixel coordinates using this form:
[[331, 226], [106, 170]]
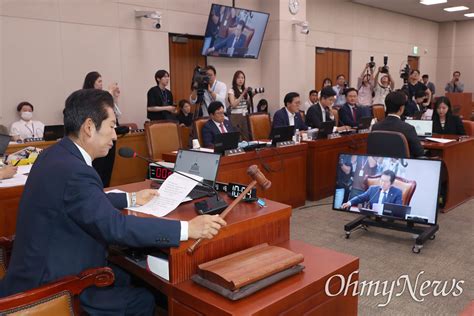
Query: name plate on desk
[[285, 144], [235, 151], [363, 131]]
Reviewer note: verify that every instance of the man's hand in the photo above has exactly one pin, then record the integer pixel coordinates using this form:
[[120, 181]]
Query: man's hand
[[8, 171], [144, 196], [346, 205], [205, 226]]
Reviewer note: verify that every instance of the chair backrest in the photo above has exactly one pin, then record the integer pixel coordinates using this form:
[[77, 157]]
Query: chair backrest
[[468, 127], [197, 125], [162, 137], [407, 187], [387, 144], [6, 246], [259, 125], [185, 134], [378, 111], [133, 126], [335, 113]]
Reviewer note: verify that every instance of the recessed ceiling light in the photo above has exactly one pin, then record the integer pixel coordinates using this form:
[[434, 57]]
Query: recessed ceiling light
[[455, 9], [431, 2], [469, 15]]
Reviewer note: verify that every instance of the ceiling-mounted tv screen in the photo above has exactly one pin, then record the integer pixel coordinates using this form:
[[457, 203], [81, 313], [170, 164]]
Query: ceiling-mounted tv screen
[[234, 32]]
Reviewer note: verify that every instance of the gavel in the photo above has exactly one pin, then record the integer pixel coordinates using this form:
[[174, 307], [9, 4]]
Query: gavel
[[258, 178]]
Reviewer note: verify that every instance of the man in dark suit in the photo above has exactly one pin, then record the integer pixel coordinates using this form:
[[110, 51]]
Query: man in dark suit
[[395, 104], [350, 113], [66, 221], [383, 193], [217, 124], [320, 112], [235, 40], [290, 114]]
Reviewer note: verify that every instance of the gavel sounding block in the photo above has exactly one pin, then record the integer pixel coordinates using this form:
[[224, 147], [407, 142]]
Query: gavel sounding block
[[260, 265]]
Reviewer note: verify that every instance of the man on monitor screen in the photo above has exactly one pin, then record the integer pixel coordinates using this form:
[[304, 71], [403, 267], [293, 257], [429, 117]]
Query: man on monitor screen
[[383, 193], [233, 41]]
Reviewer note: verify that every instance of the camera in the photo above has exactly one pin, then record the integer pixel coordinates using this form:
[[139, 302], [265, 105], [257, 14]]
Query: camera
[[405, 73], [200, 81], [154, 15], [371, 63], [384, 68], [157, 25], [255, 91]]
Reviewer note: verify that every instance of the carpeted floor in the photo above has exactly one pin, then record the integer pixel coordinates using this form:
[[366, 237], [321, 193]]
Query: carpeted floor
[[386, 255]]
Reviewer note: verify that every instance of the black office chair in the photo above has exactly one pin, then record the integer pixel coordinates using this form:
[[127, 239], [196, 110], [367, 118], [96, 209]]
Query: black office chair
[[387, 144]]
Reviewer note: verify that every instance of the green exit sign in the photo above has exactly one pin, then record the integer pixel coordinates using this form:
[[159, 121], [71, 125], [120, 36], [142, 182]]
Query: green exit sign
[[415, 50]]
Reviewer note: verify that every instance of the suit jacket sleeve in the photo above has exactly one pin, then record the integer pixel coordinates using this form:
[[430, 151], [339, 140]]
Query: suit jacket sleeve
[[459, 126], [344, 117], [361, 198], [278, 119], [118, 200], [398, 197], [416, 149], [88, 206], [207, 135], [312, 118]]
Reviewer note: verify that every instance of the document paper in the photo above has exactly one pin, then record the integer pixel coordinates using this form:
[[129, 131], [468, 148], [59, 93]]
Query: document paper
[[172, 192]]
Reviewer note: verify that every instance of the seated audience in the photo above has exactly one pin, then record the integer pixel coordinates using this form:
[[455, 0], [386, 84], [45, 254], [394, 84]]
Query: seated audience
[[381, 194], [444, 121], [313, 98], [351, 113], [262, 106], [382, 88], [413, 107], [7, 171], [217, 124], [395, 103], [455, 85], [26, 127], [365, 84], [185, 117], [339, 88], [290, 114], [159, 99], [66, 221], [239, 104]]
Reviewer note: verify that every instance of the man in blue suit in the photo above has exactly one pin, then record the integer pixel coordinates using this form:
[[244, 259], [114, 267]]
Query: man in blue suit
[[235, 40], [66, 221], [290, 114], [383, 193], [350, 113], [217, 124]]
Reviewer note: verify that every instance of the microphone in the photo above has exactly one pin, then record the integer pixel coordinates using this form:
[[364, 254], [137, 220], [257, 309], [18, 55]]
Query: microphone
[[212, 205]]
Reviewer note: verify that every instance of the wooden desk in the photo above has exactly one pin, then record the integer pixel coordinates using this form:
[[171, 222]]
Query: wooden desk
[[248, 225], [288, 171], [42, 144], [322, 162], [301, 294], [458, 157]]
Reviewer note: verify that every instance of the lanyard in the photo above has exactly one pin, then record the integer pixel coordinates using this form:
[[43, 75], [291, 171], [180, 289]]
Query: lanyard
[[164, 97], [32, 131]]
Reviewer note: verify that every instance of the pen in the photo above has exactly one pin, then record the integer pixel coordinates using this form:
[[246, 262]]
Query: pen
[[16, 163]]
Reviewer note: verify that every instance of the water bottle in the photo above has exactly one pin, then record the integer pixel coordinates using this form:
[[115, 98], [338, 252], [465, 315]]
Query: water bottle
[[297, 136]]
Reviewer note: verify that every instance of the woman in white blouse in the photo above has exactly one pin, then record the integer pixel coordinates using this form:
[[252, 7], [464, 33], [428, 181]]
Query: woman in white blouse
[[239, 104], [26, 128]]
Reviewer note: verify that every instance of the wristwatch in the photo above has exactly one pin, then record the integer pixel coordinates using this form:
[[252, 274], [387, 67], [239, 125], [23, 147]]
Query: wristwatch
[[133, 199]]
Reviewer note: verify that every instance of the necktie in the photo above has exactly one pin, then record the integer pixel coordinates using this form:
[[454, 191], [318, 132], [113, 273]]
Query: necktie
[[384, 197], [354, 114], [222, 128]]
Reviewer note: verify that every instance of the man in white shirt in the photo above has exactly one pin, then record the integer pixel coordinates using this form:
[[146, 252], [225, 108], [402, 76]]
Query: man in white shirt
[[26, 127], [341, 84], [216, 91], [313, 98]]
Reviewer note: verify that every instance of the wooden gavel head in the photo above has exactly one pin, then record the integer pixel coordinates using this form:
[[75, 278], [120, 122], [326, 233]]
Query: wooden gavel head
[[258, 176]]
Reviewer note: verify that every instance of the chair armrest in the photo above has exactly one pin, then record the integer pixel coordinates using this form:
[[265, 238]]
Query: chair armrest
[[99, 277]]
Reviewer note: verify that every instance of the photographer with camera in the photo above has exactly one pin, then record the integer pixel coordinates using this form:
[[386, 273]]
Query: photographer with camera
[[339, 88], [383, 87], [365, 84], [159, 99], [414, 85], [455, 85], [206, 89]]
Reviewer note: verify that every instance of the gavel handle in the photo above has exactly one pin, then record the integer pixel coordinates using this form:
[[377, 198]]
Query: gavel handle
[[224, 214]]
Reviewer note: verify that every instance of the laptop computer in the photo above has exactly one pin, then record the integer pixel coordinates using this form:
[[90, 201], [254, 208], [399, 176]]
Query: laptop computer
[[53, 132], [424, 128], [203, 164], [396, 210], [226, 141], [4, 141], [282, 134], [325, 129], [364, 122]]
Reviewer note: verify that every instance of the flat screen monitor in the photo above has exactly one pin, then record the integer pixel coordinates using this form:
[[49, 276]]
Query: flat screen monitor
[[396, 188], [422, 127], [226, 141], [282, 134], [234, 32], [199, 163]]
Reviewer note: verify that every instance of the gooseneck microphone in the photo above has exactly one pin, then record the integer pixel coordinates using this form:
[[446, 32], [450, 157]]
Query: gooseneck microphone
[[214, 205]]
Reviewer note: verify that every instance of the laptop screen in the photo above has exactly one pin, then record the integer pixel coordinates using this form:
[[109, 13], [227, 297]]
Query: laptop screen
[[4, 141], [203, 164], [423, 127]]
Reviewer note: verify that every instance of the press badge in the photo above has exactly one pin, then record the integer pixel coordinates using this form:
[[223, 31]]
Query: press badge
[[361, 173]]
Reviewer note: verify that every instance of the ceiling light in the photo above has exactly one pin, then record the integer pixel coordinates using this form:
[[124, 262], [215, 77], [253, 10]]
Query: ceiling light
[[431, 2], [455, 9], [469, 15]]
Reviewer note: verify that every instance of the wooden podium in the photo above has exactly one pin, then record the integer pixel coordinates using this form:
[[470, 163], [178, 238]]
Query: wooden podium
[[461, 104]]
